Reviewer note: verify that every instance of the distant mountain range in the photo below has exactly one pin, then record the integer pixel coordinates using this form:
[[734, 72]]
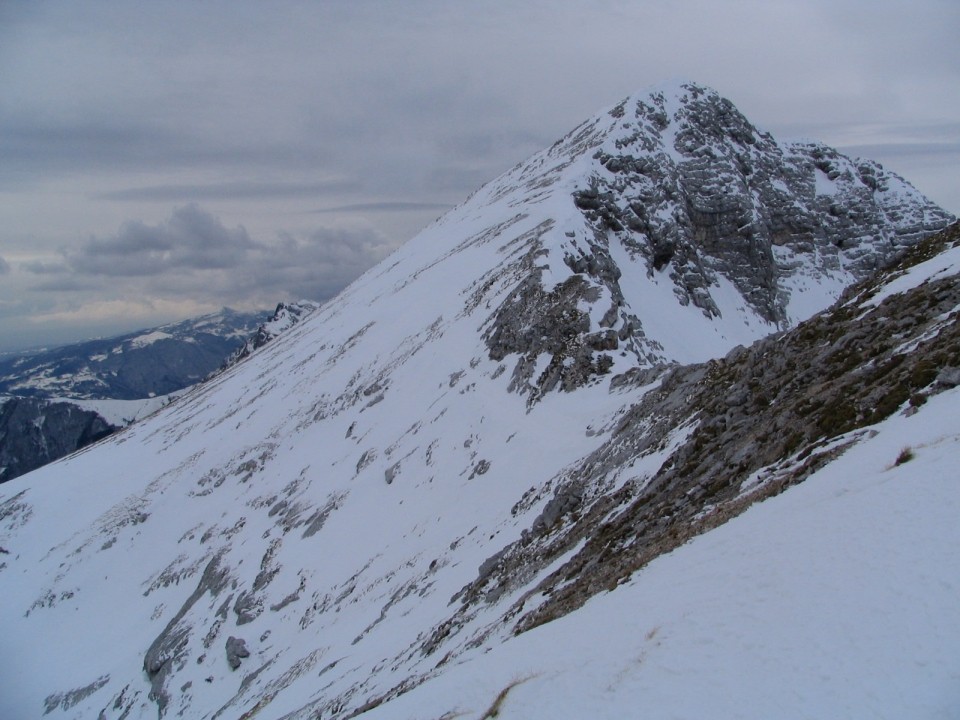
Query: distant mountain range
[[59, 400], [134, 366]]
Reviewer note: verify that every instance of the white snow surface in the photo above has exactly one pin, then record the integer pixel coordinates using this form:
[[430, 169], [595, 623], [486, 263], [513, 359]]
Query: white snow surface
[[149, 338], [289, 315], [46, 381], [351, 477], [836, 599], [121, 413], [684, 332]]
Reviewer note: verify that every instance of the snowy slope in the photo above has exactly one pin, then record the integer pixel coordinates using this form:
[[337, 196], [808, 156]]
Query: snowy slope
[[125, 412], [836, 599], [347, 500]]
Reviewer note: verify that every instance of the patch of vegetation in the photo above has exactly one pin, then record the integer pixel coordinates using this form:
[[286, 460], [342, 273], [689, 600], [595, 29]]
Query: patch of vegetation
[[890, 402], [906, 455], [837, 417], [494, 710]]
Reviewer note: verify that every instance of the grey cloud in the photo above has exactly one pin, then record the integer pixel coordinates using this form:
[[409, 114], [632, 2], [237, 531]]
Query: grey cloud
[[469, 146], [4, 266], [944, 150], [465, 178], [26, 304], [403, 101], [192, 254], [192, 239], [37, 148], [317, 266], [886, 132], [64, 284], [31, 147]]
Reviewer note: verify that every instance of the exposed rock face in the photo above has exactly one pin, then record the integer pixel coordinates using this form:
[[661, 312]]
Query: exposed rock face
[[699, 191], [236, 651], [34, 432], [551, 322], [680, 184], [758, 421], [167, 652]]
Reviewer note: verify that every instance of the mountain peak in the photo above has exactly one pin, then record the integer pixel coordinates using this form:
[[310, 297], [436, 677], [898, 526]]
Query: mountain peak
[[674, 95], [674, 202], [489, 428]]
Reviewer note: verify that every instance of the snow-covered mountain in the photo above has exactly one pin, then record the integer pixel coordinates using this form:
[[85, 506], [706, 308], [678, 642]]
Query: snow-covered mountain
[[58, 400], [35, 431], [60, 409], [490, 480], [138, 365], [285, 316]]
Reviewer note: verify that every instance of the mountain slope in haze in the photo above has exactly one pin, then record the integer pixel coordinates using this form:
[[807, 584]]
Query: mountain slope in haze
[[35, 432], [40, 426], [493, 426], [134, 366], [62, 399]]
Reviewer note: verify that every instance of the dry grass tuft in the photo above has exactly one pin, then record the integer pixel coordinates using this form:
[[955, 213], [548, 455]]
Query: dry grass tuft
[[906, 455], [494, 710]]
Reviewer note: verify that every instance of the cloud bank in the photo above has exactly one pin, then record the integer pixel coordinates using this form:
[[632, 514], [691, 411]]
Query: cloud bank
[[192, 262]]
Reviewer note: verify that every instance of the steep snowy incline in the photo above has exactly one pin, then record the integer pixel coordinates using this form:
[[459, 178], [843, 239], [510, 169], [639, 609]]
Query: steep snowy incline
[[325, 525], [336, 488], [836, 599]]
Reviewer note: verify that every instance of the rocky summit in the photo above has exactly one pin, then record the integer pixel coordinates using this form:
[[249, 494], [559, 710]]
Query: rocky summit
[[284, 317], [659, 421]]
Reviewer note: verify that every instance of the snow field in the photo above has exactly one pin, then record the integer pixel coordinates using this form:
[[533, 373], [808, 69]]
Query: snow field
[[836, 599]]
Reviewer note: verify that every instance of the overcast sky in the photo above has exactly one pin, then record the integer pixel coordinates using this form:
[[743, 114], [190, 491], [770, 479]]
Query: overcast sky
[[160, 160]]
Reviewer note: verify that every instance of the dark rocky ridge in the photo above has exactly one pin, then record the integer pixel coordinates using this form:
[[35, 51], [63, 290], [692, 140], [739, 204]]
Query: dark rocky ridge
[[34, 432], [762, 419], [284, 317], [698, 190], [687, 187]]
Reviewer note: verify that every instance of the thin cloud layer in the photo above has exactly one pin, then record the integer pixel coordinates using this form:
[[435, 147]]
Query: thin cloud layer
[[241, 190], [385, 206]]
